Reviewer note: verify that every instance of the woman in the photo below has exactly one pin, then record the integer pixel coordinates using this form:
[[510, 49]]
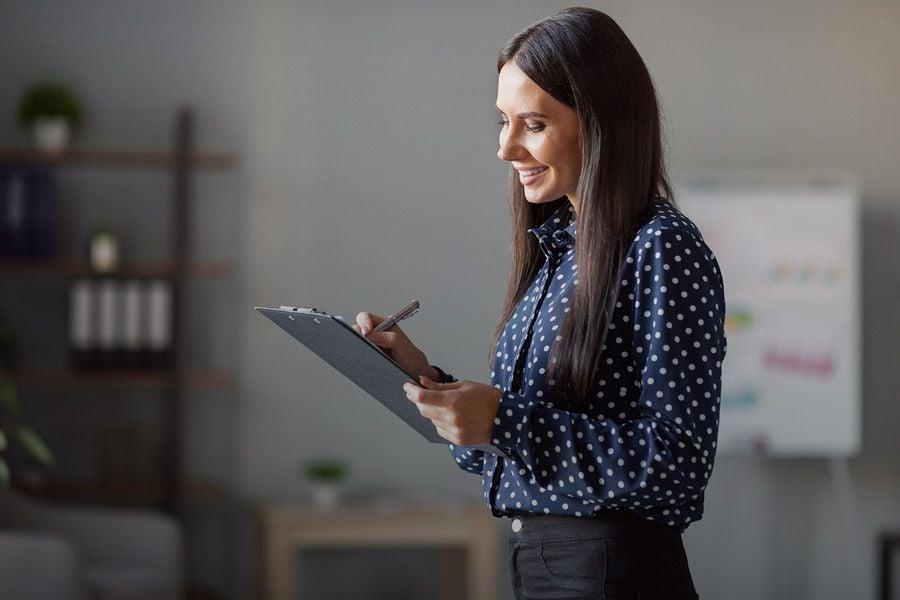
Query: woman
[[606, 365]]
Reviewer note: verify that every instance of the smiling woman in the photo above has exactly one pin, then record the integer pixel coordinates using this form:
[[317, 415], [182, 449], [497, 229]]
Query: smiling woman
[[606, 365], [607, 357]]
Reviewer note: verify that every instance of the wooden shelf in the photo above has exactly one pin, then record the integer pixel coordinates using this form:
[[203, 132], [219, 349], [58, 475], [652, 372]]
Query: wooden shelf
[[93, 490], [113, 158], [62, 267], [152, 378]]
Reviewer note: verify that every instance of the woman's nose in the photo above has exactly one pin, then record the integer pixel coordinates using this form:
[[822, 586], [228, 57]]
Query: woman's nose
[[509, 150]]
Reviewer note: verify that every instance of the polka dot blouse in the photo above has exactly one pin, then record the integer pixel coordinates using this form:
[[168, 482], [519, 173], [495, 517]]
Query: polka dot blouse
[[648, 441]]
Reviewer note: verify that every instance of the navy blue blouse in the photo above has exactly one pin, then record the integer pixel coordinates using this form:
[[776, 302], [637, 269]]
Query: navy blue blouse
[[648, 441]]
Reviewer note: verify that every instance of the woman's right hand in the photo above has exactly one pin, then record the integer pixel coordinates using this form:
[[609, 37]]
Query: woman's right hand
[[396, 345]]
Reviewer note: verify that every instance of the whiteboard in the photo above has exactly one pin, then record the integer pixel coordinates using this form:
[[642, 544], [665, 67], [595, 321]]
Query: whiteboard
[[788, 245]]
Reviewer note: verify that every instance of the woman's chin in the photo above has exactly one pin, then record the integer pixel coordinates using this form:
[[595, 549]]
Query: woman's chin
[[535, 198]]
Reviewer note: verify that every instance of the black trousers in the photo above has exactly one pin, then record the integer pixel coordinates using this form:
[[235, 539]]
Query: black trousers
[[612, 555]]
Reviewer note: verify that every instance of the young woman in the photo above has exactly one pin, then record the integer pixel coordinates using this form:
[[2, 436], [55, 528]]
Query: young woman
[[606, 365]]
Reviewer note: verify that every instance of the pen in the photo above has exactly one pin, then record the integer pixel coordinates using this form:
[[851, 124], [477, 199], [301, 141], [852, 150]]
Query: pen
[[392, 319]]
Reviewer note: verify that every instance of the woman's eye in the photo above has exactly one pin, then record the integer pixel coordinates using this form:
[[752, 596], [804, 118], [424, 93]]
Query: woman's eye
[[535, 129]]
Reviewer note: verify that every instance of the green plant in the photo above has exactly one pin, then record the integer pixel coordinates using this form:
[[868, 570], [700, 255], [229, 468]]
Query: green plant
[[31, 441], [9, 401], [325, 470], [49, 99]]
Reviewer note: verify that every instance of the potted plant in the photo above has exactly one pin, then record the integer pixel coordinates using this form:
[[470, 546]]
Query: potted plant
[[10, 409], [325, 477], [49, 111]]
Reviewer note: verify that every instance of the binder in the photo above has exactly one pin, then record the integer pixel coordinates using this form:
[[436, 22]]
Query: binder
[[159, 323], [117, 322], [108, 331], [82, 323], [14, 214], [41, 232], [27, 217], [132, 332], [359, 360]]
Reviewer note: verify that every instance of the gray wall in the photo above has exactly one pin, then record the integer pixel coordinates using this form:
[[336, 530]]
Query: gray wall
[[369, 177]]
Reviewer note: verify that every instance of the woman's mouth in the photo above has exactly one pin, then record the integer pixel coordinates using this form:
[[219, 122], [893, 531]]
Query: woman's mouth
[[529, 177]]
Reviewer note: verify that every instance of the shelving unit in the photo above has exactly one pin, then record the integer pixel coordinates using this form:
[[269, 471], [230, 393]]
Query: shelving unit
[[117, 158], [24, 268], [152, 378], [172, 382]]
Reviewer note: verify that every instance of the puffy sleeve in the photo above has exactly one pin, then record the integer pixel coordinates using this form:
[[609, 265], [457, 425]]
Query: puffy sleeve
[[665, 454]]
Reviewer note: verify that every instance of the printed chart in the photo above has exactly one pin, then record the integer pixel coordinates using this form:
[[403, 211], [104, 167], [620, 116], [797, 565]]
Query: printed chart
[[788, 247]]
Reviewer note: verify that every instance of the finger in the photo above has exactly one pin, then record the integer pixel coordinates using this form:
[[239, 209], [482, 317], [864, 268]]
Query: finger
[[412, 391], [435, 414], [397, 330], [440, 399], [367, 321], [429, 402], [416, 393], [363, 321], [388, 339], [434, 385], [429, 383], [394, 329]]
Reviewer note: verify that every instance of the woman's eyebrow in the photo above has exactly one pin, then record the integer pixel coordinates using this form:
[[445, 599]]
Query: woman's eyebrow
[[525, 115]]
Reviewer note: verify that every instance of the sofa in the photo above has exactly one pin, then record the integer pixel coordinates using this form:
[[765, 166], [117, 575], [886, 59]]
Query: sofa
[[65, 552]]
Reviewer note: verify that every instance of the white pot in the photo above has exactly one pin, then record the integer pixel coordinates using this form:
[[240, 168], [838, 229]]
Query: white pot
[[51, 134], [325, 495]]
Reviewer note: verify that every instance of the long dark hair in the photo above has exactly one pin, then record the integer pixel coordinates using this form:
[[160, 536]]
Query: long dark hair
[[581, 57]]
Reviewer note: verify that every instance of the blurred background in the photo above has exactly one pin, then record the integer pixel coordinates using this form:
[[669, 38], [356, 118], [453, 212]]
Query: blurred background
[[174, 164]]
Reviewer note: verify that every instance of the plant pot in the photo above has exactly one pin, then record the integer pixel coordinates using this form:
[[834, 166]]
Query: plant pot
[[51, 134], [325, 495]]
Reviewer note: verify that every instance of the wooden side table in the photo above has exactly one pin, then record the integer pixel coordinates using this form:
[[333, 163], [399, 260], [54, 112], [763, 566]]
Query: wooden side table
[[286, 529]]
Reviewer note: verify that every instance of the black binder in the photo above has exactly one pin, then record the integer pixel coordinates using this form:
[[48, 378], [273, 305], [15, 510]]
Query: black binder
[[359, 360]]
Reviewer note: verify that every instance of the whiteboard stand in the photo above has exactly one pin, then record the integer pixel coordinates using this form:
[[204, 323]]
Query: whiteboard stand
[[850, 522]]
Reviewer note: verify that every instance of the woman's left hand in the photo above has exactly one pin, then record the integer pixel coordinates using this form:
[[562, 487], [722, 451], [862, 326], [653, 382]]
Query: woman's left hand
[[463, 411]]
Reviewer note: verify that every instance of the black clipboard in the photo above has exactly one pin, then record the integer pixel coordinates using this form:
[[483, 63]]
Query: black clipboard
[[359, 360]]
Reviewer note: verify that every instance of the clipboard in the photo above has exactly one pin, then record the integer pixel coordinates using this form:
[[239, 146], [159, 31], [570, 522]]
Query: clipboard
[[360, 360]]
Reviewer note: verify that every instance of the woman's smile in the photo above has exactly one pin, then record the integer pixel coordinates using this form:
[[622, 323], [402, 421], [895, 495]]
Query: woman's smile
[[530, 176]]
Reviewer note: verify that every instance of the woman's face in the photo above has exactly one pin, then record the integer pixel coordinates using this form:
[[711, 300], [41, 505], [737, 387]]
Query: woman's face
[[538, 132]]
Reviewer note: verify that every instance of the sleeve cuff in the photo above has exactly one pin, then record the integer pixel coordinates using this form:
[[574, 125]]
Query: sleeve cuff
[[512, 413], [442, 376]]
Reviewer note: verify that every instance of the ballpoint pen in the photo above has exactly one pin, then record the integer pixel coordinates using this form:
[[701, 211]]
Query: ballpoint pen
[[392, 319]]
